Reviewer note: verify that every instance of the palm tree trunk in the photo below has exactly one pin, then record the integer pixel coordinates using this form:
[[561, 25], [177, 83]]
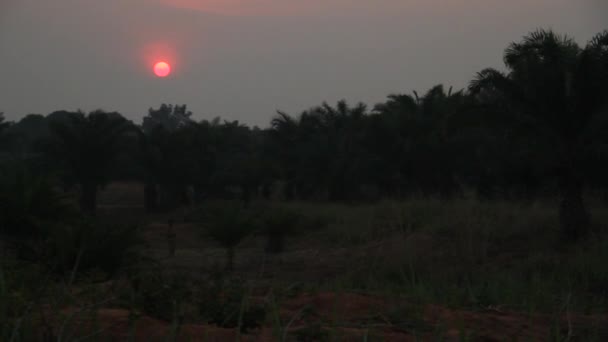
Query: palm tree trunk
[[266, 190], [246, 193], [150, 197], [230, 259], [290, 191], [88, 199], [573, 215]]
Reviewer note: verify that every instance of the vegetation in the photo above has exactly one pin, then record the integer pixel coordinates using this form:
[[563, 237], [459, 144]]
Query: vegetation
[[228, 224], [477, 204], [87, 146], [277, 223], [554, 92]]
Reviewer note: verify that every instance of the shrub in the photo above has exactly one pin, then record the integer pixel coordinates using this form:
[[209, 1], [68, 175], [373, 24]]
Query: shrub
[[225, 302], [228, 223], [277, 223], [29, 204], [22, 286], [90, 246], [161, 295]]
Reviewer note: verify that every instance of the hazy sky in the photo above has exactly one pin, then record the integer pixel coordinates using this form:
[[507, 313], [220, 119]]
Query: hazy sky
[[244, 59]]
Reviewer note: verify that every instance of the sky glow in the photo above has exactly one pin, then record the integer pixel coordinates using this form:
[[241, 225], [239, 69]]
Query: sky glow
[[245, 59]]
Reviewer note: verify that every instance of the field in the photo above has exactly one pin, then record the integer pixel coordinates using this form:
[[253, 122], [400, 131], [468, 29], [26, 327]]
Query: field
[[422, 269]]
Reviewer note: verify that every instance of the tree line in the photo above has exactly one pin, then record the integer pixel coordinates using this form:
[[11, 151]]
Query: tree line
[[537, 129]]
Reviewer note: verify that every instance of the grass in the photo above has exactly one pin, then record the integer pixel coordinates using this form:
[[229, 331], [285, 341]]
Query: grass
[[467, 253], [462, 254]]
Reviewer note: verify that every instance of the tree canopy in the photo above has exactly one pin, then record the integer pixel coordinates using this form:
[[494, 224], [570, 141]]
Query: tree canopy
[[535, 129]]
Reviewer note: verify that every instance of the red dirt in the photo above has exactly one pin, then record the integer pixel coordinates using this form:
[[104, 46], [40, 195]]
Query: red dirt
[[350, 317]]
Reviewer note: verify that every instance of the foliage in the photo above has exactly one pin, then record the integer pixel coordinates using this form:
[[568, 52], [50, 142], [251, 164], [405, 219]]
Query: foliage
[[161, 294], [555, 91], [3, 124], [515, 138], [19, 283], [276, 223], [86, 147], [228, 223], [224, 302], [468, 253], [167, 117], [535, 130], [92, 247], [40, 224], [29, 203]]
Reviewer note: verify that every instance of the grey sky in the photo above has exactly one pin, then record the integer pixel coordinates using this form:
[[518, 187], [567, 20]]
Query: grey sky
[[244, 59]]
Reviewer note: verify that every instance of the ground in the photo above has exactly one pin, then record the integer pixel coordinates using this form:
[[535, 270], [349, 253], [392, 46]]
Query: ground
[[337, 283]]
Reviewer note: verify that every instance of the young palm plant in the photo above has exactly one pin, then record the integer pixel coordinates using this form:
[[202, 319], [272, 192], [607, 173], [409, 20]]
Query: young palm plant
[[228, 223], [29, 205], [557, 91], [276, 225]]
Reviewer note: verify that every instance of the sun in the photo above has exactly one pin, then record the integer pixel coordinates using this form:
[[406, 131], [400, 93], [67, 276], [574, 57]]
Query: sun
[[162, 69]]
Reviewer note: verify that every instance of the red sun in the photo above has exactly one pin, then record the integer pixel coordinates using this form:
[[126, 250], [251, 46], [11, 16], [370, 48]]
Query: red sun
[[162, 69]]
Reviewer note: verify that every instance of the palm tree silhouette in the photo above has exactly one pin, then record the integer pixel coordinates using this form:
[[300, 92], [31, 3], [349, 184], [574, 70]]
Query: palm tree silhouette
[[557, 90], [87, 146], [412, 136]]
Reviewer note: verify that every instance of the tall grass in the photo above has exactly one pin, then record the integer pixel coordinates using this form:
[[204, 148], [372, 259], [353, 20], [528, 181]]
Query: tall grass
[[464, 252]]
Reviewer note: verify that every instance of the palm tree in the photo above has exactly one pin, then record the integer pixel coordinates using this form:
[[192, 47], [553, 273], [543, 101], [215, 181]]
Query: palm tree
[[320, 151], [3, 124], [29, 203], [168, 164], [150, 158], [285, 142], [31, 211], [343, 127], [276, 224], [228, 223], [412, 134], [87, 146], [556, 90], [167, 116]]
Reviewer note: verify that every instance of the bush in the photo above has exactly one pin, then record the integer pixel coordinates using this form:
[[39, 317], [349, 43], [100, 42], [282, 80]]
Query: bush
[[90, 246], [161, 295], [22, 286], [277, 223], [225, 303], [30, 205], [228, 223]]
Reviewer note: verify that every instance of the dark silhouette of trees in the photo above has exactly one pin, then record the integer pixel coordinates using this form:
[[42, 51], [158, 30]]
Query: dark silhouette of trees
[[29, 204], [31, 211], [169, 117], [228, 224], [3, 124], [537, 129], [86, 147], [318, 154], [416, 138], [555, 90], [172, 147]]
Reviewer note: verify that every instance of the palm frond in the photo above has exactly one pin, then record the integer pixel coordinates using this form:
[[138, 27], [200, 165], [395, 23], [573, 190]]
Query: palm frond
[[539, 47], [591, 78], [282, 121], [489, 79], [2, 123], [599, 42]]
